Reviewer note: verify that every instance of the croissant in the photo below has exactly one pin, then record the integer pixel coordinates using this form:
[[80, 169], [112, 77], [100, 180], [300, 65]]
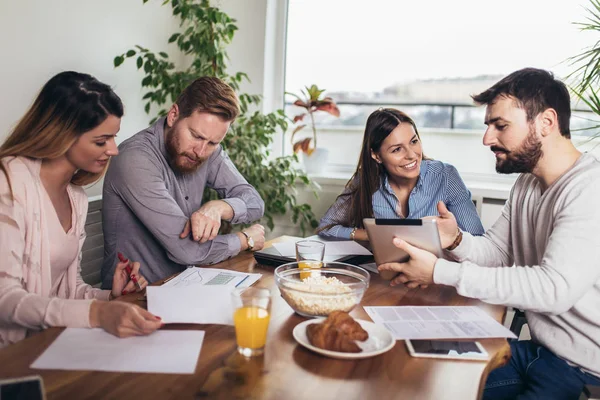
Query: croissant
[[338, 332]]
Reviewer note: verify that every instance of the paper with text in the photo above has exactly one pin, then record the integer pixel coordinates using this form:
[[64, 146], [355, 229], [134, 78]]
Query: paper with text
[[213, 276], [169, 352], [439, 322], [339, 248], [195, 304]]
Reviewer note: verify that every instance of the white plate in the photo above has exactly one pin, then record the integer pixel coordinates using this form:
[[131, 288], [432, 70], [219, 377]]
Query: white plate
[[379, 341]]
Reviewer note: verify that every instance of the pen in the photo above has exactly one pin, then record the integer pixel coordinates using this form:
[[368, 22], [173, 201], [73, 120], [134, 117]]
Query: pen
[[240, 282], [128, 269]]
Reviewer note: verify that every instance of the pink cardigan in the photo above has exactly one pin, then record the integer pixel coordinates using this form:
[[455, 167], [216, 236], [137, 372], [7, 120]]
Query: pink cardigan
[[25, 279]]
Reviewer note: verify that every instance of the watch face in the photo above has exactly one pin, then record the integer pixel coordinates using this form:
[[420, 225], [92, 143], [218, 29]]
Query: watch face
[[250, 241]]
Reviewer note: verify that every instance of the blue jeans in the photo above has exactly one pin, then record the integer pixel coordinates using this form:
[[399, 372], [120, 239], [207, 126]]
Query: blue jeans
[[534, 372]]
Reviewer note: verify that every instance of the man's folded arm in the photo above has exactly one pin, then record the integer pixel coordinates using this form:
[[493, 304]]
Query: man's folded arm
[[141, 186]]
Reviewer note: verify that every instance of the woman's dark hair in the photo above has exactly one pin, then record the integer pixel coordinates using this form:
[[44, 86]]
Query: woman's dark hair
[[367, 178], [69, 104]]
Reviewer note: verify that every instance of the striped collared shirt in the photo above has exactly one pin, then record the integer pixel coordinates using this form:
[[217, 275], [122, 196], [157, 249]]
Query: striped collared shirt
[[437, 181]]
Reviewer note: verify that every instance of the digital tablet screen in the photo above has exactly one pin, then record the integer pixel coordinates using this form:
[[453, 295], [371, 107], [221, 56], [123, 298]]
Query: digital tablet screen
[[447, 348]]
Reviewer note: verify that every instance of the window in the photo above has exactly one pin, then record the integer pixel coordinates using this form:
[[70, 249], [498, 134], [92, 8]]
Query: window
[[425, 58]]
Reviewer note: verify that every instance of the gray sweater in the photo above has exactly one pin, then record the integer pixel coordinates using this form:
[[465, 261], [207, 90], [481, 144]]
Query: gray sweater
[[553, 240], [146, 206]]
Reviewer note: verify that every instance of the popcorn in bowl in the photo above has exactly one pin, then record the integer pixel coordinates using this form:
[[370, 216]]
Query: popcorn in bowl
[[335, 287]]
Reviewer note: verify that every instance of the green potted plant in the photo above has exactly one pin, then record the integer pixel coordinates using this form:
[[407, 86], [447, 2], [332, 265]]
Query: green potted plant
[[586, 75], [312, 101], [204, 35]]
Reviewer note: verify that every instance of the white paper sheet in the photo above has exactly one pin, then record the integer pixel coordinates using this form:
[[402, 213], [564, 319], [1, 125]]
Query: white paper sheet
[[170, 352], [440, 322], [194, 304], [213, 276], [339, 248]]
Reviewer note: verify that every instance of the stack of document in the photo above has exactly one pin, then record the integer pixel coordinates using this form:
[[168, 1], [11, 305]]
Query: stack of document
[[198, 296], [439, 322]]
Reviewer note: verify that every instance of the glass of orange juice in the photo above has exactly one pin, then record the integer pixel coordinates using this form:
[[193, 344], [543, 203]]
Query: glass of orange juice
[[251, 315], [309, 254]]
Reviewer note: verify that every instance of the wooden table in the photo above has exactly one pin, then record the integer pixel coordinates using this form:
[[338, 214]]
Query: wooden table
[[286, 370]]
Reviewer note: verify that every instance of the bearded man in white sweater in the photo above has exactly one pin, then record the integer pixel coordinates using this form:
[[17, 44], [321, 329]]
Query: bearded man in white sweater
[[543, 254]]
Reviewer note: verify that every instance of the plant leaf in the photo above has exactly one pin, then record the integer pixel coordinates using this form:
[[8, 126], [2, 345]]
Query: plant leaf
[[299, 117], [329, 107], [296, 130], [300, 103], [118, 60]]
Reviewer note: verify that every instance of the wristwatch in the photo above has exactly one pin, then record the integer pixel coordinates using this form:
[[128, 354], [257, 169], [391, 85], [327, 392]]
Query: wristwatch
[[250, 241]]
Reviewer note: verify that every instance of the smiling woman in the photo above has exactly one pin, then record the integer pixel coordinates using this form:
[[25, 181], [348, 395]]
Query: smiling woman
[[394, 179]]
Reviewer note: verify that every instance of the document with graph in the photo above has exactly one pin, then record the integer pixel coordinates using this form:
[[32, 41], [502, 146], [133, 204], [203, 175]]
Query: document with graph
[[439, 322], [211, 277]]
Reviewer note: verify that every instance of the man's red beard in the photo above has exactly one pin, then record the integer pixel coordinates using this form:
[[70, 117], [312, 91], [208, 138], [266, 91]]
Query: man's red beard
[[180, 161]]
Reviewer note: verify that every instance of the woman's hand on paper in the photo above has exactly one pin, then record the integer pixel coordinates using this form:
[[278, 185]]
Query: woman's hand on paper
[[417, 271], [122, 319]]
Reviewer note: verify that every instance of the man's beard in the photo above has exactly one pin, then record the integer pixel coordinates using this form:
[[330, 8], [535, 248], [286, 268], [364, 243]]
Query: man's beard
[[522, 160], [178, 160]]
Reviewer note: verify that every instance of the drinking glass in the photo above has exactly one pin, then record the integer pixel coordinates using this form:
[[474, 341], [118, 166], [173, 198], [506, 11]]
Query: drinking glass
[[309, 254], [251, 315]]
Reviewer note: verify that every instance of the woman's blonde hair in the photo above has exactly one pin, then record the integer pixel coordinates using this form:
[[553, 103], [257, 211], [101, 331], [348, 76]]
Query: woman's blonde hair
[[69, 104]]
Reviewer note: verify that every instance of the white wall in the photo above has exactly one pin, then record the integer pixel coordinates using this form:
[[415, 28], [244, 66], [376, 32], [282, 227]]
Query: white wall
[[39, 38], [247, 50]]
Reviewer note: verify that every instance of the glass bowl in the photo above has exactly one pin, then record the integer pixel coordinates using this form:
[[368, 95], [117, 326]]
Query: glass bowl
[[316, 292]]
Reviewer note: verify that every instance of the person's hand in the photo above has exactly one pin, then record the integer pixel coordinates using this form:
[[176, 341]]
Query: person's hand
[[122, 282], [122, 319], [447, 225], [417, 271], [204, 224], [257, 233]]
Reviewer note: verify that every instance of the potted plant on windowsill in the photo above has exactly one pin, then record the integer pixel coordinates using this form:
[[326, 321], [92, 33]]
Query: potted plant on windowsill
[[313, 157]]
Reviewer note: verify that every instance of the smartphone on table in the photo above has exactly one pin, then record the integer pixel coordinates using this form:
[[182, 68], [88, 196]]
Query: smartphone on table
[[24, 388], [456, 350]]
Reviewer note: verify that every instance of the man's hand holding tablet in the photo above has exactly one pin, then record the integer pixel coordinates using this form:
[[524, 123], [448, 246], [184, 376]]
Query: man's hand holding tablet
[[419, 243]]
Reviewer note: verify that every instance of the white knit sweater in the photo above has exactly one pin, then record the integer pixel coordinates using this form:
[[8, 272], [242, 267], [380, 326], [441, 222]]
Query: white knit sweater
[[543, 256]]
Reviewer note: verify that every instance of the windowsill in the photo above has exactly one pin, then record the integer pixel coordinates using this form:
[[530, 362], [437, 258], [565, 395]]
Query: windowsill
[[492, 186]]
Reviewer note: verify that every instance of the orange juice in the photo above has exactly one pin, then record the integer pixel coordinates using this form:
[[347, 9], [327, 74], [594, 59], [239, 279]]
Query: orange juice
[[251, 324], [308, 264]]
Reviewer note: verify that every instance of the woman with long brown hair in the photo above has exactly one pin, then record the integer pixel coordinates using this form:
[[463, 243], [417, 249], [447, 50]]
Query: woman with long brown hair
[[64, 141], [394, 179]]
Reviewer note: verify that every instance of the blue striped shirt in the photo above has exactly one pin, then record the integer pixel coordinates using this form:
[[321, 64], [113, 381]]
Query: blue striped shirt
[[437, 181]]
